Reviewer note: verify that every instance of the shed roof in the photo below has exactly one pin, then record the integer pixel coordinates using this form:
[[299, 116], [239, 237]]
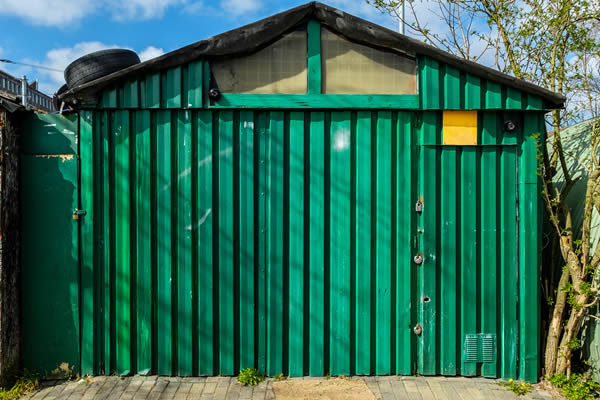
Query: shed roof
[[250, 38]]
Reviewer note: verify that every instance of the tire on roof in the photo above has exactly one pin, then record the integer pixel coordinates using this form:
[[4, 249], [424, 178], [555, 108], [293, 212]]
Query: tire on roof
[[98, 64]]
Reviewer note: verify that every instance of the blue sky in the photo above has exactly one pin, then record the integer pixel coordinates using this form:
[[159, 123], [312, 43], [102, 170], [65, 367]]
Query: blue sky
[[55, 32]]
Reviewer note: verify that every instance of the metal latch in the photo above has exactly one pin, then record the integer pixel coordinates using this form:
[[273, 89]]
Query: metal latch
[[77, 212], [419, 206]]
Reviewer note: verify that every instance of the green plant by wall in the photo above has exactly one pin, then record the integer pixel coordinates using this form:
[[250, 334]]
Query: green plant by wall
[[280, 377], [23, 386], [250, 376], [519, 388], [577, 387]]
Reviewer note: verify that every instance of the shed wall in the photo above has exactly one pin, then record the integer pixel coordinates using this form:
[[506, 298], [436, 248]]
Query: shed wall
[[218, 240]]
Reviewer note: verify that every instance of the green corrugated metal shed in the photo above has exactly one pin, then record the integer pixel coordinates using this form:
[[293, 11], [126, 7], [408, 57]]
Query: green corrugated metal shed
[[281, 231]]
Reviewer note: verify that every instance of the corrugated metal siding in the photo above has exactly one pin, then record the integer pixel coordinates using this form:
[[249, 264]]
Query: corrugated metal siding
[[216, 241], [444, 87]]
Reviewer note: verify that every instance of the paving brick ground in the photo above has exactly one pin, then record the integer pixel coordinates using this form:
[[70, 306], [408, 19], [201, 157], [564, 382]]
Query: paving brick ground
[[158, 388]]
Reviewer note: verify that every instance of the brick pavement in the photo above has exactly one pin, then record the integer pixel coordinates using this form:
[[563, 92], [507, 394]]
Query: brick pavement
[[158, 388]]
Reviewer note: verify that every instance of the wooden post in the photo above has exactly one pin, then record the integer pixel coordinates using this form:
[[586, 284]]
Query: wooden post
[[10, 268]]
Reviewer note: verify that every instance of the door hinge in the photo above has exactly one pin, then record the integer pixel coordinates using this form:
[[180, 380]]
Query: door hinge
[[77, 212]]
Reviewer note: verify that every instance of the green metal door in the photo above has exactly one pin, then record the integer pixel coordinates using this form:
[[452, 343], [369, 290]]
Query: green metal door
[[468, 277], [49, 244]]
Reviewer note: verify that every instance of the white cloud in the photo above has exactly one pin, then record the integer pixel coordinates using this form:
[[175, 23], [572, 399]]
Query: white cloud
[[150, 52], [240, 7], [139, 9], [224, 8], [59, 13], [200, 8], [65, 13]]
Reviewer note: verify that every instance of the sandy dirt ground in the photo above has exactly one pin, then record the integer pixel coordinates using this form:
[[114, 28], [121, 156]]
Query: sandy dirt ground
[[323, 389]]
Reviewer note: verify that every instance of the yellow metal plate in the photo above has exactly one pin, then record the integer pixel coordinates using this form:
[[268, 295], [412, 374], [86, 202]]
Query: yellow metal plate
[[460, 128]]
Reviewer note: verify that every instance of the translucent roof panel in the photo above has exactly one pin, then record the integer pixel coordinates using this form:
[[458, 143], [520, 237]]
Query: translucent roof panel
[[351, 68], [278, 68]]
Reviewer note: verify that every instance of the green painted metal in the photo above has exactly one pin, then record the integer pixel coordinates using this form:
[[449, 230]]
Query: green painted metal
[[304, 224], [246, 185], [316, 246], [297, 229], [88, 301], [279, 231], [49, 134], [383, 244], [204, 222], [406, 246], [143, 236], [275, 241], [312, 101], [340, 242], [49, 247], [163, 221], [314, 57], [530, 249]]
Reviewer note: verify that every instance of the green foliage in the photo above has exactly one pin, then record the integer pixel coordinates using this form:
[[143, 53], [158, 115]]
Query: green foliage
[[24, 385], [571, 295], [250, 376], [519, 388], [577, 387], [574, 344], [585, 288], [280, 377]]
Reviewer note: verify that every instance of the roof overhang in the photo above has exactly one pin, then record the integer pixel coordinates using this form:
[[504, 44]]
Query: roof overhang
[[252, 37]]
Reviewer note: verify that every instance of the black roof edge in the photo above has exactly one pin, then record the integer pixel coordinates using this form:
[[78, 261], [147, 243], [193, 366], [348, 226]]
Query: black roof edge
[[252, 37], [11, 106]]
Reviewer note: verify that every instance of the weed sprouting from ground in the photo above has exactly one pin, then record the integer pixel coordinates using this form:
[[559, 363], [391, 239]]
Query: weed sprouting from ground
[[519, 388], [250, 376]]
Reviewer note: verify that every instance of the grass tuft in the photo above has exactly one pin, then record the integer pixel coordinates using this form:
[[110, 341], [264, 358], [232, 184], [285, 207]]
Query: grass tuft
[[24, 385], [519, 388]]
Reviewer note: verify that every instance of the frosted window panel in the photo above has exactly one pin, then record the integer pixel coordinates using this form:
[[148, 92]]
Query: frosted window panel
[[279, 68], [351, 68]]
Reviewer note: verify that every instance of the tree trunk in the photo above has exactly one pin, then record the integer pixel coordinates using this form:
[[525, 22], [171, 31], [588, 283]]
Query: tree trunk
[[10, 267], [555, 328], [571, 331]]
